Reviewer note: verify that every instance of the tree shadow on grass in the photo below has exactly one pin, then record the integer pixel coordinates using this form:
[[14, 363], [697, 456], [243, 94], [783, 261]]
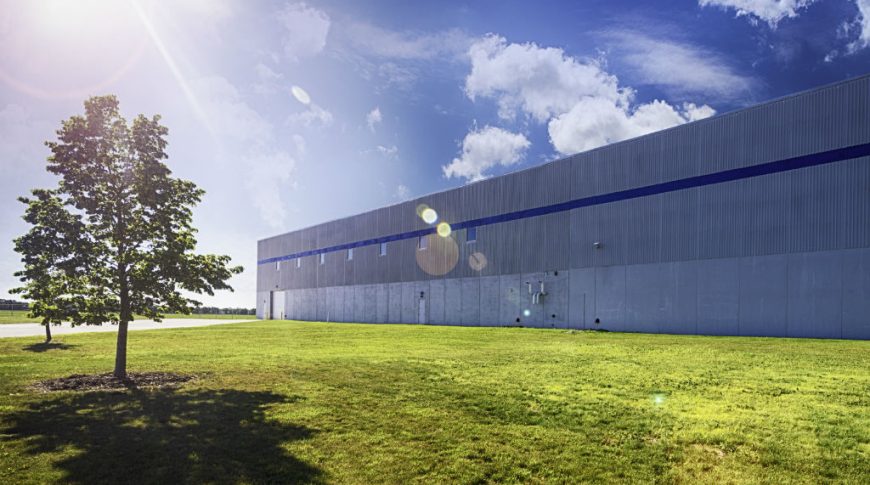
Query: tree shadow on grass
[[44, 347], [163, 437]]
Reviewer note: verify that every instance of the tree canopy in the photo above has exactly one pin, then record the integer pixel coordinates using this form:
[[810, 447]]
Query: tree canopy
[[115, 237]]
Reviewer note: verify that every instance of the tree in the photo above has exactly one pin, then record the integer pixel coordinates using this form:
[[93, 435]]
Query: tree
[[115, 238]]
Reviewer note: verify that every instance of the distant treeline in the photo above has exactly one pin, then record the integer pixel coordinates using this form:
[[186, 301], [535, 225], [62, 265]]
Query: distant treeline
[[13, 305], [212, 310]]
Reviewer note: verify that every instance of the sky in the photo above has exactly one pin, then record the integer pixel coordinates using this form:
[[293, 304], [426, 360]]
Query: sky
[[291, 114]]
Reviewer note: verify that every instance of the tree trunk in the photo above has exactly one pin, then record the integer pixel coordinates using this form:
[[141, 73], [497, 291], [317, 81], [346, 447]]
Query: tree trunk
[[125, 317], [121, 351], [47, 332]]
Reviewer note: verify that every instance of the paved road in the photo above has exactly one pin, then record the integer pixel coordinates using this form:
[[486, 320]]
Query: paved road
[[35, 329]]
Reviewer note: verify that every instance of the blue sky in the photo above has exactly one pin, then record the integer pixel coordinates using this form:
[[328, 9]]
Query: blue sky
[[290, 114]]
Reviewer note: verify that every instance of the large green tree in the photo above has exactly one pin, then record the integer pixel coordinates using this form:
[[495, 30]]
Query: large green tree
[[115, 237]]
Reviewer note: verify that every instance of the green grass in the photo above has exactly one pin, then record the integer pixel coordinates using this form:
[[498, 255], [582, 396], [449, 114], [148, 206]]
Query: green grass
[[16, 316], [289, 401]]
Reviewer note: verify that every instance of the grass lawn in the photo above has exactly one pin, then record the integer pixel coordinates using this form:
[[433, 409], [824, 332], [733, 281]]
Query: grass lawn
[[16, 316], [289, 401]]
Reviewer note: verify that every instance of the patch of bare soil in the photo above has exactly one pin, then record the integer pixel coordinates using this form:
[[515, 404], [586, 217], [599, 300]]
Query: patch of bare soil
[[108, 382]]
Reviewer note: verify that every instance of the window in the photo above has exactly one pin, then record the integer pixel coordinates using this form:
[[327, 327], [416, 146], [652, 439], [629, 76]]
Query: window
[[322, 258], [383, 249], [350, 254], [298, 262], [277, 265], [423, 243], [471, 235]]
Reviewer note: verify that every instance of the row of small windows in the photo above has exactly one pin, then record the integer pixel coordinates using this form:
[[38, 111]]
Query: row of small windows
[[422, 244]]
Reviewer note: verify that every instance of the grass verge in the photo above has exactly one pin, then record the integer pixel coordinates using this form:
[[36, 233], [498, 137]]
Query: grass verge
[[312, 402], [16, 316]]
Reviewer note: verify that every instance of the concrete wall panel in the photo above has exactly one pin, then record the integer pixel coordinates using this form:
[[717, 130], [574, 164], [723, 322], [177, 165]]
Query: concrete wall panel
[[815, 295], [489, 301], [453, 301], [436, 302], [718, 297], [610, 298], [856, 294], [763, 295], [470, 301]]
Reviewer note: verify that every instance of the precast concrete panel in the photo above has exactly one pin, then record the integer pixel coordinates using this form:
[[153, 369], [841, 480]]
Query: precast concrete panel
[[555, 303], [581, 309], [683, 317], [436, 302], [763, 295], [815, 294], [348, 313], [510, 301], [610, 298], [856, 294], [359, 304], [395, 302], [645, 302], [718, 297], [383, 299], [489, 301], [453, 301], [470, 299], [370, 304]]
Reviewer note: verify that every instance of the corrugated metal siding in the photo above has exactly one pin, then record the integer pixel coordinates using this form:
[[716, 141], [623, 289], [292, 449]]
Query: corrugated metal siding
[[812, 209]]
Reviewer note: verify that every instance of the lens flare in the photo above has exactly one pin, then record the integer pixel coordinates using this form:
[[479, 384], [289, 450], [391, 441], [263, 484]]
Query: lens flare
[[527, 313], [300, 95], [440, 256], [429, 216], [658, 399], [444, 229], [477, 261]]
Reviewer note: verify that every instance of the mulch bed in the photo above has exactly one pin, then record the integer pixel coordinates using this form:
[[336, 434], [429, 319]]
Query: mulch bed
[[108, 382]]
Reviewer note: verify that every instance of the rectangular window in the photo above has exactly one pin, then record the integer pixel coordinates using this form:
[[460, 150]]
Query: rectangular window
[[277, 265], [423, 242], [298, 262], [350, 254], [383, 249], [471, 235], [322, 258]]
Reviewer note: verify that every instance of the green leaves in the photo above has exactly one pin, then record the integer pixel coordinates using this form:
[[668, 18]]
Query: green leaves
[[116, 236]]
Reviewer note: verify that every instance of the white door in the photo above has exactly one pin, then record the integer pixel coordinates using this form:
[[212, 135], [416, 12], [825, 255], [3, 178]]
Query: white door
[[421, 314], [278, 311]]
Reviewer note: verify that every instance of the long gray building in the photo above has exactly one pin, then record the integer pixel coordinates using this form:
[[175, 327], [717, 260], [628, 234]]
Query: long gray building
[[754, 222]]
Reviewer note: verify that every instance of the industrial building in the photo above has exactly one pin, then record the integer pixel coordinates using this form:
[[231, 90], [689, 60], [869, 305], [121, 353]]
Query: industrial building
[[754, 222]]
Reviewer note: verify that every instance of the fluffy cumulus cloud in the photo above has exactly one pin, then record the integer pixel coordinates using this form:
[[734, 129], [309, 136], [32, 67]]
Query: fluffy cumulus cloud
[[769, 11], [484, 149], [862, 22], [402, 193], [305, 30], [374, 118], [583, 105]]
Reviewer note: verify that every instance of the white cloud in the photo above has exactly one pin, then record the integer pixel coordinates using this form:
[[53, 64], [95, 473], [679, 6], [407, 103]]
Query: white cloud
[[391, 151], [769, 11], [248, 137], [486, 148], [541, 82], [313, 116], [583, 105], [376, 41], [682, 69], [594, 122], [374, 118], [268, 176], [268, 81], [862, 21], [402, 192], [306, 29]]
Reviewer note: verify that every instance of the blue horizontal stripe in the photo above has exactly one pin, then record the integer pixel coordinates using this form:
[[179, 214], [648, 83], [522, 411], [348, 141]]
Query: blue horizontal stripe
[[812, 160]]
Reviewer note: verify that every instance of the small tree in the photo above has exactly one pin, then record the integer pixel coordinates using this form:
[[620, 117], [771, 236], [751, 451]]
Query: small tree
[[115, 238]]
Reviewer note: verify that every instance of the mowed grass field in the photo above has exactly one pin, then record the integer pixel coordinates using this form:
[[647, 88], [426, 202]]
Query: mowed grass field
[[352, 403], [16, 316]]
